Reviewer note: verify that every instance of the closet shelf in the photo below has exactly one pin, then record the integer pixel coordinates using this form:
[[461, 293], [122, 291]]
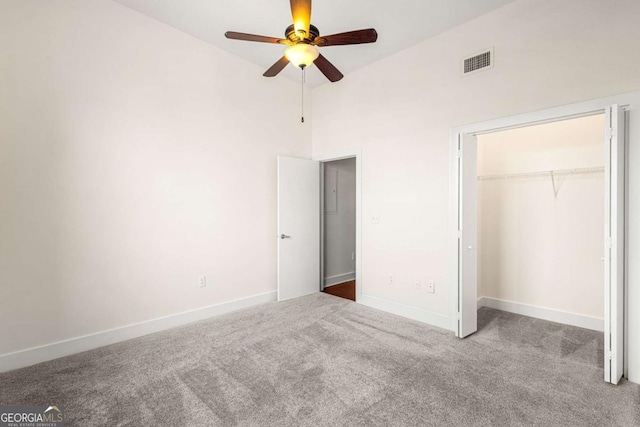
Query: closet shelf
[[550, 173]]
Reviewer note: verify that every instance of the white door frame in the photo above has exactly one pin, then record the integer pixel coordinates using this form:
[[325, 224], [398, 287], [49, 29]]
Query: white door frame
[[582, 109], [330, 157]]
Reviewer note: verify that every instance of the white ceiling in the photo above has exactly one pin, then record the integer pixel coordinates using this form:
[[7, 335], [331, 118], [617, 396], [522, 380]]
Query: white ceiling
[[400, 24]]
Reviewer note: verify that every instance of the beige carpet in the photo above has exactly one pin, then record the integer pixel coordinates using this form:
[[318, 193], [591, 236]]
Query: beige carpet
[[322, 360]]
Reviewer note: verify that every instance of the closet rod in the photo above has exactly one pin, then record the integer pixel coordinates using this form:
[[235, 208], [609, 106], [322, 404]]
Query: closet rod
[[551, 173]]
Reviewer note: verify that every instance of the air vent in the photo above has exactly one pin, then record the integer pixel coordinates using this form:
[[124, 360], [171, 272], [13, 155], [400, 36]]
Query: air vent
[[477, 62]]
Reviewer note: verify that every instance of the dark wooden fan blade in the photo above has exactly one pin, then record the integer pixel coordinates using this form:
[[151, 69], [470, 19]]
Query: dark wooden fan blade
[[277, 67], [253, 38], [328, 69], [352, 37], [301, 13]]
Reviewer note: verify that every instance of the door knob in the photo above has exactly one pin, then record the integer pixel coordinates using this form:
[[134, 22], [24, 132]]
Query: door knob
[[284, 236]]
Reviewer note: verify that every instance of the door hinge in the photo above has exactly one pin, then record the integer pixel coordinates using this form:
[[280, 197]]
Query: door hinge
[[609, 242], [459, 315], [610, 133], [458, 153], [609, 355]]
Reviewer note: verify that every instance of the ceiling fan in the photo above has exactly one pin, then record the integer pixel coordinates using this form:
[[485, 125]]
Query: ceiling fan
[[304, 39]]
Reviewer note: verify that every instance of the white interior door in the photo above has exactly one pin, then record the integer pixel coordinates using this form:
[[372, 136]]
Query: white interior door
[[614, 245], [467, 235], [298, 227]]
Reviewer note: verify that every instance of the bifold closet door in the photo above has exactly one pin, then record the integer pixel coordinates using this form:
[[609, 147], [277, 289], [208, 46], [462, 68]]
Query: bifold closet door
[[614, 244], [467, 235]]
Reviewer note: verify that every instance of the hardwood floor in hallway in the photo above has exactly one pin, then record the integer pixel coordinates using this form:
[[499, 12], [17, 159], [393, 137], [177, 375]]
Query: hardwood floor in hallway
[[345, 290]]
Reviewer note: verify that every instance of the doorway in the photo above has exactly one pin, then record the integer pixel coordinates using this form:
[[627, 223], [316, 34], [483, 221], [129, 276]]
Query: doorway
[[464, 213], [540, 206], [300, 252], [338, 228]]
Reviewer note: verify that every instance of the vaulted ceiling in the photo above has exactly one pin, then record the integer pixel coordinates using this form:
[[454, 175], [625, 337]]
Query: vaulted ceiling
[[400, 24]]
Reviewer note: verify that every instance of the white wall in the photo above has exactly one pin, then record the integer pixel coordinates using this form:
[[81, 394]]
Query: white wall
[[632, 291], [535, 248], [133, 159], [340, 223], [401, 110]]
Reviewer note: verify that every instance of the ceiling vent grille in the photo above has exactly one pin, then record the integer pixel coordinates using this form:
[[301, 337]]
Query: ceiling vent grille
[[477, 62]]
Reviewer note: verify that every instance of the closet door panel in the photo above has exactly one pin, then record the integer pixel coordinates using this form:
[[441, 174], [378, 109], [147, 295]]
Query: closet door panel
[[614, 245], [467, 235]]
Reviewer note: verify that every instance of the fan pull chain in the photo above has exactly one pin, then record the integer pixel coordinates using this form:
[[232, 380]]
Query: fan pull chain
[[302, 95]]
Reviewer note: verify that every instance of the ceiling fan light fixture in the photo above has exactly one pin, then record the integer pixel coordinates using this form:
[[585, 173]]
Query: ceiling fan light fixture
[[302, 55]]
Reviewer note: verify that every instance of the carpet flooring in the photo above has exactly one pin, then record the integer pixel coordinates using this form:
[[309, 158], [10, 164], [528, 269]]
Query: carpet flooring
[[326, 361]]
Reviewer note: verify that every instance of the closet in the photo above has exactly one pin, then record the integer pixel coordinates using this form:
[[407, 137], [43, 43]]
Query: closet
[[540, 195]]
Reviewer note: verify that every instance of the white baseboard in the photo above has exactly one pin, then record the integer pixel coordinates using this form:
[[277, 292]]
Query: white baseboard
[[340, 278], [32, 356], [558, 316], [421, 315]]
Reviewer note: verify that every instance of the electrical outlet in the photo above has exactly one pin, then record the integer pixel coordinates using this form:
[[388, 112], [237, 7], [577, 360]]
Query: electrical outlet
[[391, 279], [203, 281], [431, 287], [375, 219], [417, 285]]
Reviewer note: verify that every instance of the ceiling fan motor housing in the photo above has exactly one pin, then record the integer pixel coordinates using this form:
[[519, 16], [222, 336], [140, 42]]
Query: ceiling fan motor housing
[[290, 34]]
